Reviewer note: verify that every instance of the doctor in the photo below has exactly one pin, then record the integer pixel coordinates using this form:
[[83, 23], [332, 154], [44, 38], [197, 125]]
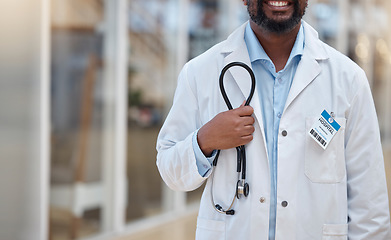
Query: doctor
[[314, 158]]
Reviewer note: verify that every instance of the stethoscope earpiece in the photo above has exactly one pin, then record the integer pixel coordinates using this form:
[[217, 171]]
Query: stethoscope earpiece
[[242, 188]]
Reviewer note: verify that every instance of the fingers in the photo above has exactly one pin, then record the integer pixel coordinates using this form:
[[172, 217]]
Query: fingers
[[248, 130], [244, 110], [247, 120], [246, 139], [227, 129]]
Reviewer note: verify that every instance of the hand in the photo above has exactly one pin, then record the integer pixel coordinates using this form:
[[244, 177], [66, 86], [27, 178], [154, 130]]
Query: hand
[[226, 130]]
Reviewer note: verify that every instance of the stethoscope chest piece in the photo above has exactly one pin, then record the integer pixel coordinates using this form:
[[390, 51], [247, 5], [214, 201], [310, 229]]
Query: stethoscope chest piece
[[242, 188]]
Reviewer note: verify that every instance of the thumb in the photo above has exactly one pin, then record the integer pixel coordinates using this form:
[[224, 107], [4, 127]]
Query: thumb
[[244, 102]]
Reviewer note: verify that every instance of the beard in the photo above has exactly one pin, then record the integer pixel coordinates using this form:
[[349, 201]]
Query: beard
[[271, 25]]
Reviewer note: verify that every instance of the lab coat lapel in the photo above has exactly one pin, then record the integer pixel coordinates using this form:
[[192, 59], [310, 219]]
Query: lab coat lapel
[[308, 68], [240, 75], [242, 78], [306, 72]]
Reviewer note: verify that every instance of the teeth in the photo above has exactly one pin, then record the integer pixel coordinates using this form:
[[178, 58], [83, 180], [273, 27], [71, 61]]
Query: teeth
[[278, 3]]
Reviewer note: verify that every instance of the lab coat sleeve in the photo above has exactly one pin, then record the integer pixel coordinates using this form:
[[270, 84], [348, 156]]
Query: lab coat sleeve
[[368, 210], [176, 160]]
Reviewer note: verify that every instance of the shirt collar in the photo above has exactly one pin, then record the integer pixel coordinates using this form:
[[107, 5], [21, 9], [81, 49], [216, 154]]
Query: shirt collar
[[256, 51]]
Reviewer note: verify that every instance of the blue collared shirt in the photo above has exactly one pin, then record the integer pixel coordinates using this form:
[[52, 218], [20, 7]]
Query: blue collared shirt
[[273, 88], [204, 164]]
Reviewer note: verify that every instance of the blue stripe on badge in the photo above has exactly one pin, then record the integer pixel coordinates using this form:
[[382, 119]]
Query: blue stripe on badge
[[334, 124]]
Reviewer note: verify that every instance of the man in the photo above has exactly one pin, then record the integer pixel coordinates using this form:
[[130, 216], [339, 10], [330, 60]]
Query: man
[[314, 158]]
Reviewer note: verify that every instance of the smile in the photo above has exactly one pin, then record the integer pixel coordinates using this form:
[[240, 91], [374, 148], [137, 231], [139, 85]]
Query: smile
[[278, 3]]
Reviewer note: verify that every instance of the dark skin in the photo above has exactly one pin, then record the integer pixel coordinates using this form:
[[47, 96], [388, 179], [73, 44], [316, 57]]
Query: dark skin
[[278, 46]]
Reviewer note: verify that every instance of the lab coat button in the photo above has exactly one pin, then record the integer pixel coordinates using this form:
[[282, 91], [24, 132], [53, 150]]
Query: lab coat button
[[262, 199], [284, 133], [284, 204]]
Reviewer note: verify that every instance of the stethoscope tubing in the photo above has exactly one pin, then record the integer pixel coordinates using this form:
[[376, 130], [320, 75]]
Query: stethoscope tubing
[[221, 83], [240, 150]]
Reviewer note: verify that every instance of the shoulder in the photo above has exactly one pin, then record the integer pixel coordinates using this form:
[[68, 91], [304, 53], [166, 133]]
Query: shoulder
[[336, 68], [341, 60], [322, 52], [344, 73], [346, 68]]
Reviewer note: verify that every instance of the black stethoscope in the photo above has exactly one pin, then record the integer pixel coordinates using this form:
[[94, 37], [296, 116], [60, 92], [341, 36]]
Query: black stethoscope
[[242, 187]]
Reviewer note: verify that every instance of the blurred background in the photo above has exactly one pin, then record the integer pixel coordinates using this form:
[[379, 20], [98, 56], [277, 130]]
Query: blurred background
[[85, 86]]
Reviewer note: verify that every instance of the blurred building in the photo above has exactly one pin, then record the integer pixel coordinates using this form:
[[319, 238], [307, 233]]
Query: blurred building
[[86, 85]]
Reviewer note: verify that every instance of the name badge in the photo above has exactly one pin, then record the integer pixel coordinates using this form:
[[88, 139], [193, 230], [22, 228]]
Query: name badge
[[324, 129]]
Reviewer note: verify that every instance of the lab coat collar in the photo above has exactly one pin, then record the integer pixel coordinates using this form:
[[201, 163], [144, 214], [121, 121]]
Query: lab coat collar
[[313, 47], [235, 49]]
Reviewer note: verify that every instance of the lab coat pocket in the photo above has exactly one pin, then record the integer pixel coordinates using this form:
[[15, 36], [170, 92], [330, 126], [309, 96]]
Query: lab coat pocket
[[210, 229], [325, 165], [335, 232]]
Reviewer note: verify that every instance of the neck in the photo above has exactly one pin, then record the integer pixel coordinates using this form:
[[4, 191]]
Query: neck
[[277, 46]]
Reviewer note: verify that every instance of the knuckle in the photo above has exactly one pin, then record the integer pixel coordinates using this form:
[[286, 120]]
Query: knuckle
[[237, 122], [237, 131]]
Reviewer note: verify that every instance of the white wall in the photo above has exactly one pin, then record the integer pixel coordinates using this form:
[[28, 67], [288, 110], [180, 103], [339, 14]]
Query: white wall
[[23, 119]]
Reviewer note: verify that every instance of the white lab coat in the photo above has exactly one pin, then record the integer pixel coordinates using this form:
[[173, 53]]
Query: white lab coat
[[337, 193]]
